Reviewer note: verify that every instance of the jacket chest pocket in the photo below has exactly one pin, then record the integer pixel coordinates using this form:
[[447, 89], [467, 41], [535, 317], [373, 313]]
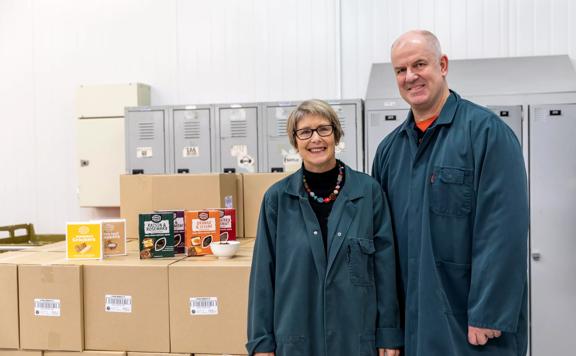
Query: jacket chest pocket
[[361, 261], [451, 191]]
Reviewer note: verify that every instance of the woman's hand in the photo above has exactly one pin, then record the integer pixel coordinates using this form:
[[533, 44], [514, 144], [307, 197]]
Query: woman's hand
[[264, 354], [388, 352]]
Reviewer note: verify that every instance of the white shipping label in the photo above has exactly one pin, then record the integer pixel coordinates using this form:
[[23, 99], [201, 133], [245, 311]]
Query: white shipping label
[[143, 152], [118, 303], [191, 151], [204, 306], [238, 150], [47, 307]]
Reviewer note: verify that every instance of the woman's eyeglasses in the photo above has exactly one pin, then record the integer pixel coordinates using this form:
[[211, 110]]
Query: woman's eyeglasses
[[306, 133]]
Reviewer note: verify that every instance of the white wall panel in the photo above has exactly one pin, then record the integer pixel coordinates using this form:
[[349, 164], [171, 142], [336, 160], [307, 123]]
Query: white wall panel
[[466, 29]]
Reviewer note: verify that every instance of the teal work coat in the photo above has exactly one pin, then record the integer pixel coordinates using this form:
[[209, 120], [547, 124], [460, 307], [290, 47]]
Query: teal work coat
[[459, 206], [306, 302]]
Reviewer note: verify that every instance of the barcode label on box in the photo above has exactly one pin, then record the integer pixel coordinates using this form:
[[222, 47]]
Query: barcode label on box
[[204, 306], [118, 303], [47, 307]]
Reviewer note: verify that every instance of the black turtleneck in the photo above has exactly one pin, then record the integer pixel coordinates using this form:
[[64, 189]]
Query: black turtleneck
[[322, 184]]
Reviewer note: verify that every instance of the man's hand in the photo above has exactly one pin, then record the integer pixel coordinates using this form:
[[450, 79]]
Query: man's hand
[[264, 354], [388, 352], [480, 336]]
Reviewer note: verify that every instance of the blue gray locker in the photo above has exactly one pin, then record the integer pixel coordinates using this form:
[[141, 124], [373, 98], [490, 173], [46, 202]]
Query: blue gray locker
[[193, 137], [147, 140]]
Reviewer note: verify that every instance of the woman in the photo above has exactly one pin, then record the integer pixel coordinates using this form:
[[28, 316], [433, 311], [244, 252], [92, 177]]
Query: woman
[[323, 272]]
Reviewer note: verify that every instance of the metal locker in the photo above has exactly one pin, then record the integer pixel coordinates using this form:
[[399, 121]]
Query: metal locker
[[278, 154], [237, 141], [192, 139], [552, 228], [350, 150], [147, 141], [380, 123], [512, 116]]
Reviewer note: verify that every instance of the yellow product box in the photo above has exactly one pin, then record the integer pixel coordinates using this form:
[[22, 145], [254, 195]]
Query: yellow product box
[[114, 237], [84, 240]]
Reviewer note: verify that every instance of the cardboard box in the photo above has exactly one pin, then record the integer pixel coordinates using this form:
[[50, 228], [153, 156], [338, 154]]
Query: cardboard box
[[9, 333], [255, 185], [52, 247], [208, 304], [219, 355], [50, 302], [126, 304], [84, 353], [20, 353], [155, 354], [240, 206], [147, 193]]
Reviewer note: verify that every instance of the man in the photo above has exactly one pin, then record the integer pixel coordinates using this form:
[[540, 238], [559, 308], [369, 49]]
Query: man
[[456, 183]]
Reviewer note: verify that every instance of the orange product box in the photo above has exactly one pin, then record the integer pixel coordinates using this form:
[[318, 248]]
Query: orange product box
[[202, 228]]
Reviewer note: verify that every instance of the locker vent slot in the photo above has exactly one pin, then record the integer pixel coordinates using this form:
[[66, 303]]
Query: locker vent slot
[[281, 126], [375, 118], [191, 130], [238, 128], [343, 122], [540, 114], [146, 130]]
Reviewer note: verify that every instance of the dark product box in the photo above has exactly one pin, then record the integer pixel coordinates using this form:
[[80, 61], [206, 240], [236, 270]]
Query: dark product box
[[179, 229], [227, 224], [156, 233]]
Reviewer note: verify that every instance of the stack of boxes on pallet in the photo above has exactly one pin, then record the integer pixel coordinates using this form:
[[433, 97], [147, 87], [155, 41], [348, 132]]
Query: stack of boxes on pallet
[[128, 306]]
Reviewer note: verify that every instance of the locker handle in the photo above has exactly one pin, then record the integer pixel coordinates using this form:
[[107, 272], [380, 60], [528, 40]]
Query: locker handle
[[229, 170], [137, 171], [536, 256], [277, 170], [183, 170]]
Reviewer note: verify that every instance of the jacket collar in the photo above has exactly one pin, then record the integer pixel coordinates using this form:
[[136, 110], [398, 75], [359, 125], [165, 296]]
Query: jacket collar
[[351, 189], [446, 114]]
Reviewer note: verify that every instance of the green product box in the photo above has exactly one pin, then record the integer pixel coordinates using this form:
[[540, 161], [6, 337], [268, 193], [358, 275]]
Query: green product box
[[156, 235]]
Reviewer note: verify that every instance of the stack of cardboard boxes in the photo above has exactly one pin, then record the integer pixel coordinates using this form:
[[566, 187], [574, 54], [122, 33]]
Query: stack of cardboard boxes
[[124, 306]]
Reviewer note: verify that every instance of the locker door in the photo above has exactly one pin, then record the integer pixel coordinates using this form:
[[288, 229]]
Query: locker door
[[238, 139], [347, 150], [553, 229], [378, 125], [278, 145], [512, 115], [145, 142], [192, 141]]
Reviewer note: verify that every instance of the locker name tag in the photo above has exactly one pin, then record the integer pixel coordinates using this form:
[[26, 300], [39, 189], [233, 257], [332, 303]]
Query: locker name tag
[[47, 307], [192, 151], [143, 152], [118, 303], [204, 306]]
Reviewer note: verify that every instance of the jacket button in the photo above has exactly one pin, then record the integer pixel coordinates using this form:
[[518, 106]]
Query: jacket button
[[339, 234], [315, 232]]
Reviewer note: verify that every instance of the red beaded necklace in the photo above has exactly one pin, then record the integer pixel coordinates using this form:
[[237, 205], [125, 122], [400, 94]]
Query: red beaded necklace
[[332, 195]]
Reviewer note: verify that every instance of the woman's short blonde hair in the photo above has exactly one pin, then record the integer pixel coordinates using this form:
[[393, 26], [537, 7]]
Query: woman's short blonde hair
[[313, 107]]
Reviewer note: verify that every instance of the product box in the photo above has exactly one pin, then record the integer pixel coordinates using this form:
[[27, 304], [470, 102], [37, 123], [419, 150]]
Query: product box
[[142, 193], [156, 235], [114, 237], [202, 228], [84, 240], [255, 185], [50, 302], [126, 304], [179, 229], [9, 333], [227, 224], [209, 315]]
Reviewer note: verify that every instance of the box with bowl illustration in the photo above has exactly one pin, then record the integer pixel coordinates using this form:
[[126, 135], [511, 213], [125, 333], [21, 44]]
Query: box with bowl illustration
[[156, 232], [179, 229], [202, 228], [114, 237], [84, 240]]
